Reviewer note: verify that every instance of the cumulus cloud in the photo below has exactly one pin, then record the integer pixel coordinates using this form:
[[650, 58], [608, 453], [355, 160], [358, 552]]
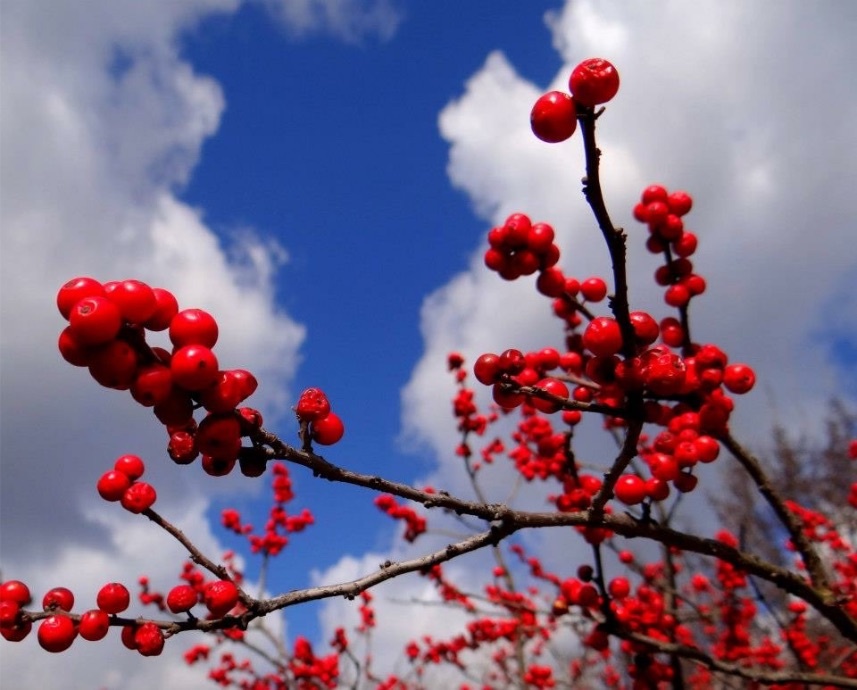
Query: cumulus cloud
[[103, 123], [757, 125], [349, 20]]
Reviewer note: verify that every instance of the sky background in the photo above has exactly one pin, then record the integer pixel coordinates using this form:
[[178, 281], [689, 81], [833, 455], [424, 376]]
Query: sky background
[[320, 175]]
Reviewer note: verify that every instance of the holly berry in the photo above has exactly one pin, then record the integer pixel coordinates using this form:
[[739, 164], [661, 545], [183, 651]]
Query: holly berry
[[193, 327], [130, 465], [220, 597], [112, 485], [602, 336], [739, 378], [135, 299], [75, 290], [94, 625], [312, 405], [17, 591], [553, 118], [594, 81], [487, 369], [58, 598], [554, 387], [328, 430], [113, 598], [182, 598], [56, 633], [194, 367], [95, 320], [630, 489], [219, 435], [149, 639], [138, 497], [593, 289], [166, 307]]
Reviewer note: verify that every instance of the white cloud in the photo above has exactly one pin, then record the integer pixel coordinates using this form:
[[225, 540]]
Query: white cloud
[[348, 20]]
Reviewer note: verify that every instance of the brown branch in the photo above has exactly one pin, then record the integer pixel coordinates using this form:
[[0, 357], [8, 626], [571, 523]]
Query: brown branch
[[804, 546]]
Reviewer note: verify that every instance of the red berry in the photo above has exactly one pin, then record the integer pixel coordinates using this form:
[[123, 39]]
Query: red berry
[[630, 489], [540, 238], [194, 367], [58, 598], [312, 405], [193, 327], [113, 597], [9, 613], [486, 369], [17, 591], [138, 497], [114, 365], [677, 295], [593, 289], [517, 231], [127, 636], [95, 320], [220, 597], [739, 378], [512, 362], [182, 448], [135, 300], [217, 467], [219, 435], [553, 117], [56, 633], [619, 587], [74, 291], [73, 351], [94, 625], [654, 192], [181, 598], [177, 410], [551, 282], [130, 465], [685, 483], [554, 387], [680, 203], [112, 485], [152, 384], [328, 430], [645, 327], [166, 307], [602, 336], [594, 81], [148, 639]]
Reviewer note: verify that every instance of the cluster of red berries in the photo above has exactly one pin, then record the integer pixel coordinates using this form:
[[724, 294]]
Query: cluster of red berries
[[121, 484], [107, 333], [59, 630], [313, 408], [662, 212], [592, 82], [520, 247], [514, 367]]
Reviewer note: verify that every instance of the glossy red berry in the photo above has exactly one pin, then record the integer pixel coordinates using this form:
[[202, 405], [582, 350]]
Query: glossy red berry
[[193, 327], [94, 625], [630, 489], [73, 351], [135, 299], [553, 117], [9, 611], [56, 633], [312, 405], [219, 435], [220, 597], [328, 430], [166, 307], [512, 362], [138, 497], [152, 384], [194, 367], [182, 448], [680, 203], [739, 378], [58, 598], [217, 467], [177, 410], [113, 597], [148, 639], [554, 387], [486, 369], [182, 598], [75, 290], [646, 329], [130, 465], [593, 289], [112, 485], [619, 587], [594, 81], [127, 636], [95, 320], [602, 336], [114, 365], [17, 591]]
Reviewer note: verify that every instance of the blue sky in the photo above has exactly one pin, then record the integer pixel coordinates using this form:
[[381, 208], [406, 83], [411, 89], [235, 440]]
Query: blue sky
[[193, 145]]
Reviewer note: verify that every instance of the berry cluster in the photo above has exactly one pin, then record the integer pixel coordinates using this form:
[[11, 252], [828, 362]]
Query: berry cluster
[[592, 82], [120, 484], [662, 212], [520, 247], [313, 408], [107, 334]]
